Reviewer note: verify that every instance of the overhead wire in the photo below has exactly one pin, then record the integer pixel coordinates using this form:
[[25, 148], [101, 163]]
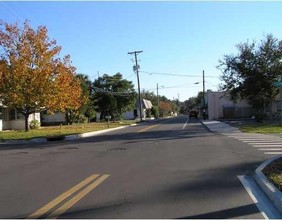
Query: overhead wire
[[173, 74]]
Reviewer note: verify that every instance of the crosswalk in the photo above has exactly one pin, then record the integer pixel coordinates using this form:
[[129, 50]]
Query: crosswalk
[[268, 144]]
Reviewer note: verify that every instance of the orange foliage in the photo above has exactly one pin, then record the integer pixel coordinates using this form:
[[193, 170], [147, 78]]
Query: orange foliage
[[165, 106], [32, 76]]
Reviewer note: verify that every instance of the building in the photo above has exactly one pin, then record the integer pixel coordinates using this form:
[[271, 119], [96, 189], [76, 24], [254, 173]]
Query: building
[[11, 119], [146, 106], [53, 119], [221, 107]]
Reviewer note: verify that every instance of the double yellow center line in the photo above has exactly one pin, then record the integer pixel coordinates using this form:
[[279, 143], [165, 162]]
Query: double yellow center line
[[92, 181]]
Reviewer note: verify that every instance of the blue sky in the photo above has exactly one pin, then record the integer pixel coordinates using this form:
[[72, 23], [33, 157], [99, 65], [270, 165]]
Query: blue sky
[[176, 37]]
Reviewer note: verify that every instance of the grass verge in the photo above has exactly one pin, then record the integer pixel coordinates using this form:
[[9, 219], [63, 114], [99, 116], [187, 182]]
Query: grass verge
[[55, 131], [274, 173], [261, 128]]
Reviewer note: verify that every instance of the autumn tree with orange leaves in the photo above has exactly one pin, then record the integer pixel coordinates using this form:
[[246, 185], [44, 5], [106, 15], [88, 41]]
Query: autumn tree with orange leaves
[[165, 107], [32, 76]]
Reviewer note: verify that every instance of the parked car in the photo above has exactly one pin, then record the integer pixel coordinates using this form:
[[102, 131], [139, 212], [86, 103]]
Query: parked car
[[193, 113]]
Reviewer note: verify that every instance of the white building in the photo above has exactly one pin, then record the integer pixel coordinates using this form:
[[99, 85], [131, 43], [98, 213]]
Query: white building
[[221, 107], [11, 119], [135, 113]]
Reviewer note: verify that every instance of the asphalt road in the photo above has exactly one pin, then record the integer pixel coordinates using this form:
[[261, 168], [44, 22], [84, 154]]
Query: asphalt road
[[171, 168]]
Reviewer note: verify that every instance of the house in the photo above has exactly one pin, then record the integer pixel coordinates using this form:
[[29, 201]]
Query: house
[[146, 106], [53, 119], [11, 119]]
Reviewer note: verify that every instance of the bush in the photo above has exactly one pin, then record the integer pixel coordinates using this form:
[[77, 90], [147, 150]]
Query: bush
[[81, 119], [34, 124], [260, 116], [154, 111]]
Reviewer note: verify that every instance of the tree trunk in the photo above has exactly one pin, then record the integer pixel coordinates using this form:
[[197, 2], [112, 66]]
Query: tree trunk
[[26, 115]]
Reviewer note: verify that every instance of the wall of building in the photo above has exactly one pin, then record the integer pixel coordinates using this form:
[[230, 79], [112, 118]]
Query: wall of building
[[129, 115], [54, 118], [19, 124], [219, 106]]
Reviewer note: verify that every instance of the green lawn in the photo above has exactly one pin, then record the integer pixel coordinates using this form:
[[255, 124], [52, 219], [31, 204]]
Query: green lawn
[[274, 173], [261, 128], [53, 131]]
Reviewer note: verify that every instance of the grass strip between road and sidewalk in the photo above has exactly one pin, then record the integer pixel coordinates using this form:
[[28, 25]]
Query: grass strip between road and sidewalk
[[261, 128], [274, 173], [57, 131]]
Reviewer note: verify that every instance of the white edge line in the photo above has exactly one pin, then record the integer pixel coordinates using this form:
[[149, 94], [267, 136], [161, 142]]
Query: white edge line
[[249, 191], [185, 123], [273, 153]]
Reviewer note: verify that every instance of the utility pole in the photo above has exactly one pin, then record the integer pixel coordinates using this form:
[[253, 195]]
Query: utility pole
[[137, 72], [204, 89], [280, 93], [204, 104], [158, 113]]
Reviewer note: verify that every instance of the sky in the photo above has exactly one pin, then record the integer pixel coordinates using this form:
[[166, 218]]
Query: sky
[[177, 38]]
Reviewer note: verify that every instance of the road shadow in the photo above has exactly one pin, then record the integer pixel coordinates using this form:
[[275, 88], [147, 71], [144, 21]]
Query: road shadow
[[220, 183], [226, 213], [127, 136]]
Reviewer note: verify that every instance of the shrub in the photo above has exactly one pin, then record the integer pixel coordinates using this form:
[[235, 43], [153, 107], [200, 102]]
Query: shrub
[[259, 116], [34, 124]]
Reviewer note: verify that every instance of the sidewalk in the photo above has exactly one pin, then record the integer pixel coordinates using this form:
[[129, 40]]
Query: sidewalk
[[217, 126]]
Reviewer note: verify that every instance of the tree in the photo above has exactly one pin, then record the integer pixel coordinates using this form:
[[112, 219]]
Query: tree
[[192, 103], [251, 73], [155, 111], [165, 107], [32, 76], [113, 95], [71, 97], [149, 96], [86, 85]]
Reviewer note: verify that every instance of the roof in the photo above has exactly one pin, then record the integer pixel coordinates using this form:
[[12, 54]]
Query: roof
[[147, 104]]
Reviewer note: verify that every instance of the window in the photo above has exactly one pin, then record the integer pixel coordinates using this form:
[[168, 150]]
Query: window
[[5, 114], [15, 115], [12, 114]]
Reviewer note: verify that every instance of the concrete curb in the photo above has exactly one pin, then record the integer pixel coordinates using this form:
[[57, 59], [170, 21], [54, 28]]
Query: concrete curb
[[205, 125], [219, 127], [67, 137], [270, 190], [94, 133]]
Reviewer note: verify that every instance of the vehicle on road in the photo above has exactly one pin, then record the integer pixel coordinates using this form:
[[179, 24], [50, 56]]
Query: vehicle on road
[[193, 113]]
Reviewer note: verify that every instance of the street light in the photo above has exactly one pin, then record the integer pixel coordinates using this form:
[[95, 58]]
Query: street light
[[204, 104]]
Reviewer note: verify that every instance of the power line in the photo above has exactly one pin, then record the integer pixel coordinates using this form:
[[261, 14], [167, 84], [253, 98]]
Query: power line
[[173, 74], [97, 89]]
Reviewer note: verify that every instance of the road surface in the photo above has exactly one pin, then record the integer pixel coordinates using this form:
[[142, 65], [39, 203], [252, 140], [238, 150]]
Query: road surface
[[173, 168]]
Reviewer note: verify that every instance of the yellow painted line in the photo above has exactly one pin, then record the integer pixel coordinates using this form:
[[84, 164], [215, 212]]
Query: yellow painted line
[[62, 197], [147, 128], [78, 197]]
